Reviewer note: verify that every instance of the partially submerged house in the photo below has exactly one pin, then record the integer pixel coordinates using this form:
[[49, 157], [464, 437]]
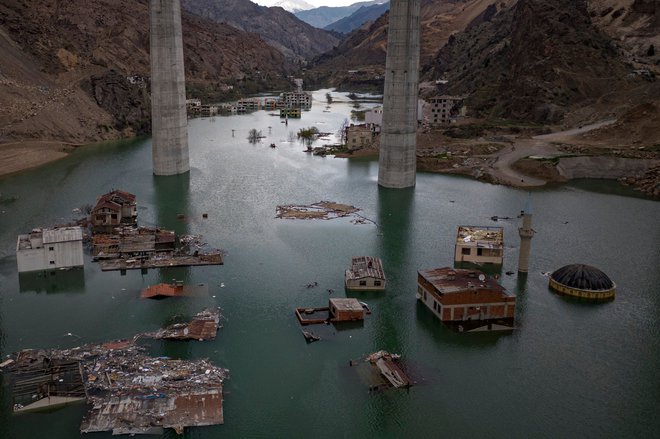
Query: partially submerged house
[[113, 209], [479, 245], [360, 136], [339, 309], [466, 300], [366, 274], [47, 249]]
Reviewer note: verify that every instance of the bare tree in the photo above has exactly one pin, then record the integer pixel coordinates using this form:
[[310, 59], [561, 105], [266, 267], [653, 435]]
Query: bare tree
[[342, 131]]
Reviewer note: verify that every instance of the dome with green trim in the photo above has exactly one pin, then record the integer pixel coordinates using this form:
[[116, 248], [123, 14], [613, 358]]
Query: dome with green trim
[[583, 281]]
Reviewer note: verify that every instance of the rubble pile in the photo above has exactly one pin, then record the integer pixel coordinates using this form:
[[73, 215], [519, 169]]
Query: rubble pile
[[320, 210], [131, 392], [204, 326]]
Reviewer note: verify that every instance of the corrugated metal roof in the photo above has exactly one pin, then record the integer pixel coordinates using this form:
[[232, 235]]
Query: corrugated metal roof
[[62, 234], [365, 266]]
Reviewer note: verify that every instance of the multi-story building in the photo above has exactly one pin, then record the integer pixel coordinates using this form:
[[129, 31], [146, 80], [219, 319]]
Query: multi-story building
[[48, 249]]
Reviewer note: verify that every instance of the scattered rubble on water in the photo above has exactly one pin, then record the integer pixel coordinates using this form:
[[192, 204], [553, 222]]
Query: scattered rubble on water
[[322, 210], [129, 391], [382, 370], [203, 326]]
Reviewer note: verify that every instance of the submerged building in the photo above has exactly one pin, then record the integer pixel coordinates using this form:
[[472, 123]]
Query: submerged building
[[113, 209], [479, 245], [582, 281], [466, 300], [48, 249], [366, 274]]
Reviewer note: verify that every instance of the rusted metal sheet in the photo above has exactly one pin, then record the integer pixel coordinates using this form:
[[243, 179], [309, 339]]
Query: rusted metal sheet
[[204, 326], [174, 290]]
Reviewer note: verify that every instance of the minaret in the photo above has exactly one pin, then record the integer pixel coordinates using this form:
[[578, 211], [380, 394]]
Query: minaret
[[526, 233], [168, 90], [398, 143]]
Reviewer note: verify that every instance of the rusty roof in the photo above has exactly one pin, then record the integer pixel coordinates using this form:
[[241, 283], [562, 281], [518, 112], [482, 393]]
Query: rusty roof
[[365, 266], [455, 280]]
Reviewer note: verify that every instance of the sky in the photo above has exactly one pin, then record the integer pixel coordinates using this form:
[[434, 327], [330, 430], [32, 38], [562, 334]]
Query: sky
[[316, 3]]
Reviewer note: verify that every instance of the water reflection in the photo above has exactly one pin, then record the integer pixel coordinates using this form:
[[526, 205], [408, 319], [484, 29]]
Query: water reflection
[[54, 281]]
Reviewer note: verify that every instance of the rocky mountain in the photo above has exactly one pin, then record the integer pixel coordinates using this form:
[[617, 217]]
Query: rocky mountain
[[78, 70], [545, 61], [539, 61], [358, 18], [296, 39], [293, 6], [365, 48], [325, 15]]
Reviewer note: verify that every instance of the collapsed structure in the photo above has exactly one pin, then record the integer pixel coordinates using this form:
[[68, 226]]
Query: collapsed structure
[[129, 391], [113, 209], [382, 370], [338, 310]]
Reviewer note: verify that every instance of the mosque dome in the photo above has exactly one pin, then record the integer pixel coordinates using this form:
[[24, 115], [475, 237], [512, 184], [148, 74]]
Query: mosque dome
[[583, 281]]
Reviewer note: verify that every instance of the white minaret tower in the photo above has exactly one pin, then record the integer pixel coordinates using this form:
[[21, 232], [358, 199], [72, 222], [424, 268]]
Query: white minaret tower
[[526, 233]]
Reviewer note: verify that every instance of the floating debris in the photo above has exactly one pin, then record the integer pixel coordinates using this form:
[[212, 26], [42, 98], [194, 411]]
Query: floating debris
[[321, 210], [204, 326], [129, 391], [310, 337], [382, 370], [175, 289]]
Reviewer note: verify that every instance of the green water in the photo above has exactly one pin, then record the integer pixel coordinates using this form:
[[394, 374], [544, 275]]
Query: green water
[[570, 370]]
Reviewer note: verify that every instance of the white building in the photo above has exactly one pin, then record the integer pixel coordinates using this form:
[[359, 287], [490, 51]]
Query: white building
[[479, 245], [46, 249], [374, 116]]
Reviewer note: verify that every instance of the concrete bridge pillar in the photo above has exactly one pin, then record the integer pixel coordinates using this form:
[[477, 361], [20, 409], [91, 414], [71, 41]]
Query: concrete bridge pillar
[[169, 122], [398, 138]]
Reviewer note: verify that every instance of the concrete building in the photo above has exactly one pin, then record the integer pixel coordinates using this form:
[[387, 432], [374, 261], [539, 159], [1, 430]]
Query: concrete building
[[441, 110], [113, 209], [466, 300], [479, 245], [168, 90], [366, 274], [374, 116], [398, 143], [48, 249], [297, 99], [291, 113], [208, 110], [359, 136]]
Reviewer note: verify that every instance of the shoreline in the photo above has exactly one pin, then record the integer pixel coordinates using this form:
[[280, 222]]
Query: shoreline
[[509, 166]]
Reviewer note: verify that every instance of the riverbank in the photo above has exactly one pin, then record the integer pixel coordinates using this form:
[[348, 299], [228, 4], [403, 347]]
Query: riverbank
[[517, 160]]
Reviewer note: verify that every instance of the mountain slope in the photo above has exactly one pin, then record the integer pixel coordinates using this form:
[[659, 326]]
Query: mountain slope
[[536, 61], [294, 38], [77, 71], [358, 18], [325, 15]]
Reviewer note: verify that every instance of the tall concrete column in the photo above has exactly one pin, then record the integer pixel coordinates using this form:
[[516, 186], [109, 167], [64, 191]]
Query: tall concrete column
[[169, 124], [398, 143], [526, 234]]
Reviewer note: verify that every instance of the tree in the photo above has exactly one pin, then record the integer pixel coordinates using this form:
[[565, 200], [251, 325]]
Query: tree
[[254, 136], [342, 131], [308, 135]]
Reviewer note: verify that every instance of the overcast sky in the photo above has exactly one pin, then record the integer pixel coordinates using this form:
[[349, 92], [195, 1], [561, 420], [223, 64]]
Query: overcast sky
[[316, 3]]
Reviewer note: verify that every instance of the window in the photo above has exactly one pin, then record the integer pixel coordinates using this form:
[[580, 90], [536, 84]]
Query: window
[[377, 283], [480, 252], [465, 251], [434, 305], [51, 248], [424, 294], [363, 283], [52, 262]]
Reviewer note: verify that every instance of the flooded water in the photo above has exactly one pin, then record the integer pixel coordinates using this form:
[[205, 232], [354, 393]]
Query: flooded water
[[570, 370]]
